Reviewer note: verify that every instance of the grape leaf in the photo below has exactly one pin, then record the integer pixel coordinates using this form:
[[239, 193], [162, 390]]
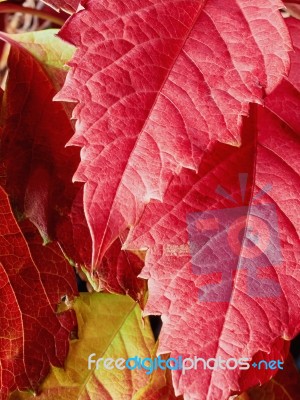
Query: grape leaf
[[32, 334], [157, 82], [219, 296], [123, 335]]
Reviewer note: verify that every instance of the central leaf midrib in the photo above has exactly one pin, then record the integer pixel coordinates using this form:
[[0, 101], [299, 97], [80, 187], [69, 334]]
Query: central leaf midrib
[[197, 15]]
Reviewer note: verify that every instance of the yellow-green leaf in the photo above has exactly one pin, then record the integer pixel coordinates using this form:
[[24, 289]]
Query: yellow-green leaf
[[112, 327]]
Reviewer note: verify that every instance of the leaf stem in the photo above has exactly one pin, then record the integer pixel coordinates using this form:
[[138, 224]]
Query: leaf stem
[[6, 8]]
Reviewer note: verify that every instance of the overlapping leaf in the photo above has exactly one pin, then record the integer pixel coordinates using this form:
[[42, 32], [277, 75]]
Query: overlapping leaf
[[218, 297], [284, 386], [123, 335], [32, 334], [50, 52], [40, 186], [157, 82], [255, 376], [160, 85], [35, 131], [119, 268]]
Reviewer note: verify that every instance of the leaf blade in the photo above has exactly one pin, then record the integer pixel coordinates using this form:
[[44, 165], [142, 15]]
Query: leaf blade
[[128, 99]]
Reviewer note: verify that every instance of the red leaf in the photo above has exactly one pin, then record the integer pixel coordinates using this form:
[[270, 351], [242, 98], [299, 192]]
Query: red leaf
[[252, 377], [40, 184], [216, 296], [33, 335], [35, 131], [285, 386], [157, 82], [118, 271]]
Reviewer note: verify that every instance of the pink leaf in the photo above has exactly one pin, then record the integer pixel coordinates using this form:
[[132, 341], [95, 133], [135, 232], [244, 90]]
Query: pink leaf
[[157, 82], [221, 294]]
